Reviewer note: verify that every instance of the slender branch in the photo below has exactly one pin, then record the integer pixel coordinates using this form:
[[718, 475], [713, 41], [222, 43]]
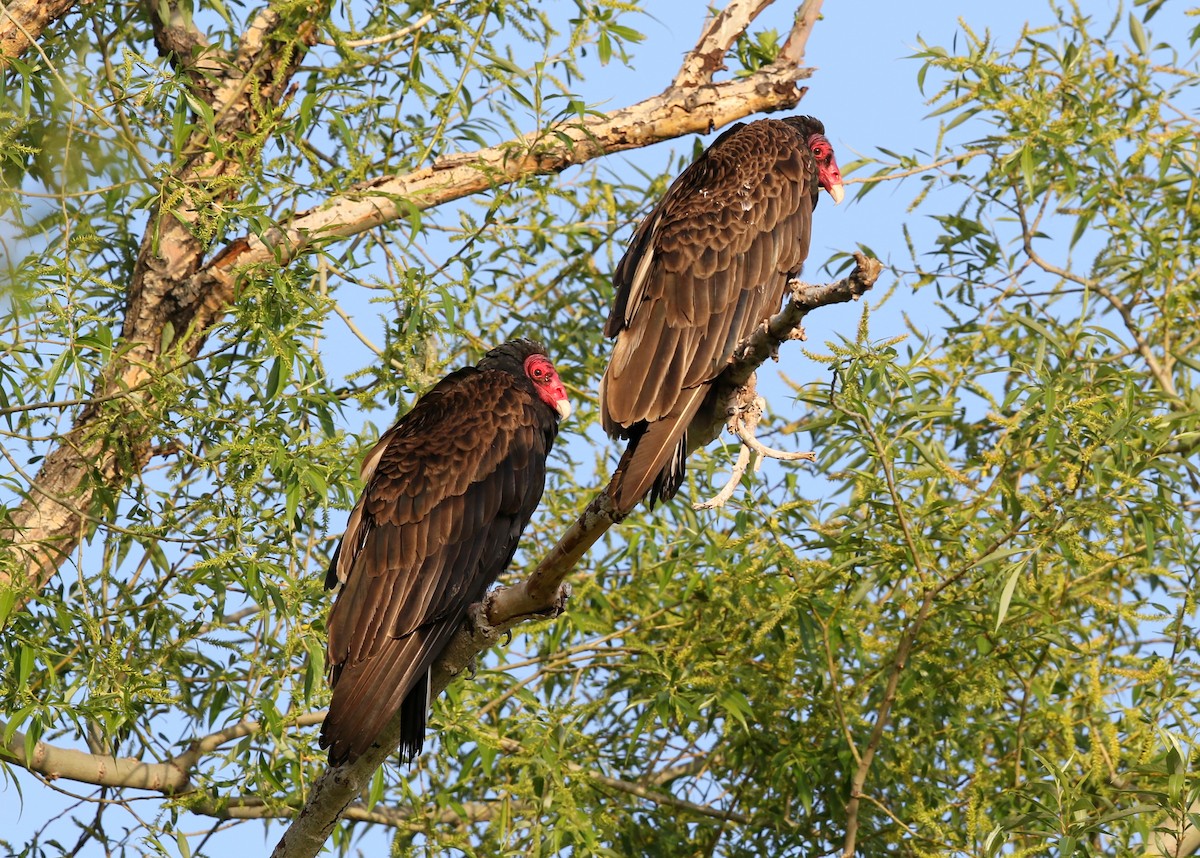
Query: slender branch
[[889, 476], [640, 790], [765, 452], [1161, 375], [917, 170], [666, 116], [835, 690], [387, 37], [735, 477], [719, 33], [797, 40], [249, 807], [660, 798], [882, 719]]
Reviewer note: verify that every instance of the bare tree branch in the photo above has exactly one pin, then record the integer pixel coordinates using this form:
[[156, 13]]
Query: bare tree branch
[[666, 116], [797, 40], [387, 37], [745, 411], [735, 477]]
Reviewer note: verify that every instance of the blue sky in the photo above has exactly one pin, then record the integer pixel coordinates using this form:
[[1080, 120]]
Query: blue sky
[[865, 91]]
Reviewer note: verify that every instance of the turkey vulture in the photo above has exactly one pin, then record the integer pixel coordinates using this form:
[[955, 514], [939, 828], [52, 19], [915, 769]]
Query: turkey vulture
[[707, 265], [448, 491]]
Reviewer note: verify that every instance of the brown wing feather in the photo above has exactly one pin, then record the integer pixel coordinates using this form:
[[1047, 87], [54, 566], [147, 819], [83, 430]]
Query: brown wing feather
[[454, 485], [705, 267]]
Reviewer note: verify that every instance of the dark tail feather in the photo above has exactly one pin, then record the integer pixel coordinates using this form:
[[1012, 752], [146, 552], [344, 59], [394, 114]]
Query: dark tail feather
[[367, 696], [654, 461], [670, 478], [413, 711], [348, 734]]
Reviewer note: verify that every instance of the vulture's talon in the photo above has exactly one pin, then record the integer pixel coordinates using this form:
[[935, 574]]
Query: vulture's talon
[[477, 617]]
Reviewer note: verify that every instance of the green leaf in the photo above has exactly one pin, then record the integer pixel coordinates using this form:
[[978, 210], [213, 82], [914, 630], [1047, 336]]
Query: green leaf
[[1028, 166], [1138, 34], [1010, 586], [274, 379]]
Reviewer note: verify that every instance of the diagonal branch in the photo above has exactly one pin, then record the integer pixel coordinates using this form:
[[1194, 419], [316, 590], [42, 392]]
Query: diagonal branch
[[882, 719], [1160, 373], [666, 116]]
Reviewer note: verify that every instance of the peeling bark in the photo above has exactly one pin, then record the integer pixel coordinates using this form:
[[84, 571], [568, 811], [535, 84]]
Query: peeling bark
[[22, 23]]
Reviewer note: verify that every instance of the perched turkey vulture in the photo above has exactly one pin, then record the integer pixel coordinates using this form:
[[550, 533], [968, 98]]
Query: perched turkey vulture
[[707, 265], [449, 489]]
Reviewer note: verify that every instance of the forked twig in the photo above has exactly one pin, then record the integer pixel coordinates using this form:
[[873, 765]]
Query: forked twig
[[745, 411]]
